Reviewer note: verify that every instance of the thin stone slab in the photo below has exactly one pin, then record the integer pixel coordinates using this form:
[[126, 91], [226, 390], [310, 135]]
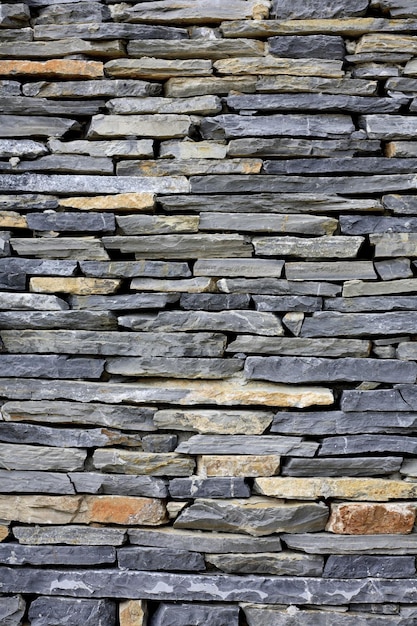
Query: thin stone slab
[[12, 609], [210, 85], [27, 202], [188, 368], [57, 412], [246, 444], [264, 615], [50, 366], [340, 423], [188, 167], [57, 49], [78, 12], [160, 559], [358, 288], [357, 225], [47, 610], [360, 444], [298, 346], [190, 12], [199, 105], [16, 481], [388, 128], [195, 487], [337, 270], [283, 564], [244, 516], [62, 222], [41, 458], [159, 69], [345, 166], [51, 32], [272, 65], [345, 466], [63, 319], [73, 535], [310, 46], [181, 246], [383, 304], [154, 126], [375, 566], [275, 286], [195, 48], [21, 147], [191, 285], [195, 614], [317, 9], [121, 461], [312, 84], [109, 484], [248, 222], [142, 148], [117, 88], [214, 302], [15, 554], [87, 248], [174, 149], [152, 224], [206, 421], [328, 543], [394, 244], [122, 302], [328, 324], [400, 399], [132, 269], [289, 147], [31, 302], [287, 303], [19, 126], [45, 107], [312, 102]]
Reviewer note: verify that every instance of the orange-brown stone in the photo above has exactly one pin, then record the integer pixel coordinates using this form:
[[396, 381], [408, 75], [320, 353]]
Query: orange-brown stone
[[371, 519], [4, 532], [126, 510], [55, 68], [132, 613]]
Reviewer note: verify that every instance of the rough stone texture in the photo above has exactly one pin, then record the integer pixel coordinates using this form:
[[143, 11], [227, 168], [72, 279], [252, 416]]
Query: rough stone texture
[[209, 488], [131, 462], [49, 610], [371, 519], [12, 609], [244, 444], [132, 613], [160, 559], [282, 564], [73, 535], [214, 422], [238, 465], [193, 615]]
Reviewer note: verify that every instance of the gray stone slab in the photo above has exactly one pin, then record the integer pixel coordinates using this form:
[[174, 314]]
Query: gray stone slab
[[12, 609], [309, 46], [80, 12], [21, 147], [14, 15], [195, 487], [15, 282], [250, 268], [214, 302], [248, 222], [41, 106], [119, 147], [264, 616], [74, 535], [118, 88], [358, 225], [62, 319], [345, 166], [195, 48], [50, 366], [394, 244], [98, 483], [282, 564], [363, 444], [246, 444], [156, 126], [46, 611], [15, 554], [345, 466], [400, 205], [27, 202], [400, 8], [35, 482], [160, 559], [195, 614], [298, 346], [288, 303], [121, 461], [392, 269], [108, 31], [96, 222], [152, 224], [122, 302], [19, 126], [245, 516], [30, 302], [374, 566], [335, 270], [9, 87], [388, 128], [190, 368], [379, 400], [290, 147], [328, 324], [311, 369], [58, 49], [159, 443], [133, 269], [181, 246], [361, 288], [372, 303], [26, 457], [60, 248], [57, 412], [116, 343], [317, 9], [14, 35], [328, 543], [340, 423], [317, 247], [275, 286]]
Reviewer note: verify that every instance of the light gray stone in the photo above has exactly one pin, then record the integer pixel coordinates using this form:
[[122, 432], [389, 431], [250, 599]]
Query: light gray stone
[[61, 248], [195, 48], [160, 69], [152, 224], [275, 286], [388, 127], [160, 559], [46, 611], [328, 324], [298, 346], [336, 270], [265, 615], [283, 564], [35, 125], [371, 303], [12, 609], [79, 12], [287, 303], [121, 461], [63, 319], [31, 302], [21, 147], [247, 444], [289, 147], [42, 458], [328, 543], [394, 244], [217, 487], [191, 246], [199, 105], [73, 535], [359, 288], [142, 148], [35, 482], [190, 368], [358, 225], [117, 88], [319, 247], [312, 102], [248, 222], [44, 107], [97, 222], [188, 12], [58, 49], [109, 484], [317, 9], [155, 126], [15, 554], [132, 269]]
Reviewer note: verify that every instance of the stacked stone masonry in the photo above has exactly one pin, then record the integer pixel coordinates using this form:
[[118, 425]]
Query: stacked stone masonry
[[208, 313]]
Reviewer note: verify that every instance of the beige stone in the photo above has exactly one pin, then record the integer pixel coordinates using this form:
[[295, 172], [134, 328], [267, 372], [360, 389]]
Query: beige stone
[[121, 461], [55, 68], [394, 244], [132, 613], [238, 465], [74, 285], [274, 65], [4, 532], [351, 27], [187, 87], [11, 219], [157, 225], [193, 150], [363, 288], [378, 489], [131, 202], [157, 69], [214, 422], [385, 42], [41, 509], [189, 167], [371, 519]]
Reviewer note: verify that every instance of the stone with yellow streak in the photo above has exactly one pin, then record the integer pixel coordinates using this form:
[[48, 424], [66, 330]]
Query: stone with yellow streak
[[121, 202], [371, 519], [376, 489], [224, 422], [121, 461], [189, 167], [276, 65], [385, 42], [11, 219], [132, 613], [4, 532], [239, 465], [55, 68], [74, 285]]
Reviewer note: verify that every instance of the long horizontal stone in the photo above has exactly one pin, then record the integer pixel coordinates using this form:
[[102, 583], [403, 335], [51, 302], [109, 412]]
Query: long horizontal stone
[[337, 270], [340, 423], [56, 68], [20, 126], [282, 564], [244, 516], [115, 343], [61, 248], [263, 615], [243, 222], [287, 303], [357, 225], [382, 303], [299, 346], [189, 368], [152, 224], [184, 614], [121, 461], [214, 302], [117, 88], [196, 487], [57, 412], [49, 608], [394, 244], [21, 147], [238, 267], [62, 164], [312, 369], [21, 481], [142, 148], [93, 320], [401, 399], [159, 69], [327, 543], [313, 84], [160, 391], [356, 165], [206, 421], [290, 147], [312, 102], [271, 65], [402, 149], [133, 269], [50, 366], [160, 559], [328, 324], [27, 202], [374, 489], [154, 126], [98, 222], [191, 246], [71, 534], [174, 149], [247, 444], [42, 458], [78, 285], [210, 85], [123, 302], [62, 184], [195, 48], [376, 566], [51, 32], [199, 105], [31, 301], [231, 321], [14, 15], [57, 49], [352, 466], [188, 167], [15, 554], [360, 444], [98, 483], [275, 286], [41, 106]]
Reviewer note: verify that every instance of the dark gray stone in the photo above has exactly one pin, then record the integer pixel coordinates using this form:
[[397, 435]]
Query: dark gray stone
[[326, 543], [15, 15], [282, 564], [214, 302], [50, 366], [358, 225], [49, 611], [108, 31], [276, 286], [195, 614], [265, 616], [291, 346], [309, 46], [345, 466], [164, 559], [401, 205], [35, 125], [15, 554], [195, 48], [98, 222], [118, 88], [53, 319], [12, 609], [360, 444], [399, 8], [133, 269], [58, 49], [159, 443], [42, 106], [357, 165], [123, 302], [391, 269], [71, 534], [371, 303], [246, 444], [329, 324], [195, 487], [317, 9], [111, 484], [79, 12], [379, 400], [374, 566], [310, 369], [35, 482], [191, 246], [27, 202], [287, 303], [14, 282], [311, 101], [289, 147]]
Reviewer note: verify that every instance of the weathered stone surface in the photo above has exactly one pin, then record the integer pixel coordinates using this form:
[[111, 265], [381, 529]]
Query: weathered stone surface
[[345, 466], [238, 465], [130, 462], [214, 302], [309, 225], [327, 324], [142, 148], [264, 615], [357, 444], [132, 613], [151, 224], [238, 267], [371, 519], [47, 610], [34, 482], [392, 269], [242, 321], [36, 267], [313, 9], [388, 128], [184, 246], [108, 31], [53, 69], [199, 105], [375, 566], [357, 165], [115, 343], [131, 269], [124, 417], [14, 35], [395, 244], [15, 554], [14, 15], [123, 302], [400, 205], [357, 225], [246, 444], [196, 487], [310, 46], [313, 84], [371, 303], [319, 247], [98, 483], [289, 346], [190, 11], [287, 303], [61, 248], [155, 126], [402, 149], [271, 65], [63, 319], [78, 12], [30, 302], [282, 564], [118, 88], [254, 516], [57, 49], [401, 399], [97, 222], [188, 87], [338, 270], [358, 288], [160, 559], [214, 422], [311, 369], [73, 535], [18, 147], [188, 167], [195, 614], [287, 147], [159, 69], [406, 351], [188, 368], [27, 457], [195, 48], [19, 126], [79, 285], [12, 609], [159, 443], [174, 149], [275, 286]]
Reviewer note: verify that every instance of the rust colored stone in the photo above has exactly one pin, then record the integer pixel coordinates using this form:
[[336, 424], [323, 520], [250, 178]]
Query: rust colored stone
[[55, 68], [371, 519], [125, 510]]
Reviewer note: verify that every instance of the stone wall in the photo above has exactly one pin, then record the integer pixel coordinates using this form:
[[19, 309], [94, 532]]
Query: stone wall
[[208, 313]]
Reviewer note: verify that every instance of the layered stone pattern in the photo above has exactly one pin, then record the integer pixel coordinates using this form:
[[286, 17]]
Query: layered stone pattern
[[208, 313]]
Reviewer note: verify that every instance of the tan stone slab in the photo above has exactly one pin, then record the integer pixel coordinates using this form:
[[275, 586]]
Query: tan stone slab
[[239, 465], [157, 69], [371, 519], [382, 42], [11, 219], [121, 461], [187, 87], [153, 126], [189, 167], [192, 150], [214, 422], [377, 489], [55, 68], [131, 202], [4, 532], [75, 285], [274, 65], [157, 225], [394, 244], [133, 613]]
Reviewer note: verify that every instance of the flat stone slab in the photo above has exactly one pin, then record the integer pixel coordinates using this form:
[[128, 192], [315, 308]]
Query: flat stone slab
[[283, 564], [48, 609], [246, 444], [327, 543], [12, 609], [16, 554], [205, 421], [350, 566], [157, 559], [328, 324], [195, 487], [195, 614], [70, 534]]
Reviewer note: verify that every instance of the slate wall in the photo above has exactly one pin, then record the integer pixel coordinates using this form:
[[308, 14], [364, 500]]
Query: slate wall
[[208, 313]]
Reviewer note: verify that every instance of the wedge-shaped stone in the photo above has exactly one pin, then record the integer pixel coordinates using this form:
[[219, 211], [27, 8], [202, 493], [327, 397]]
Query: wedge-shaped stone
[[197, 487], [188, 368], [371, 519], [390, 127], [206, 421], [199, 105], [214, 302], [115, 343], [230, 321], [15, 554], [12, 609], [16, 481], [272, 65], [358, 288], [181, 246], [43, 458], [159, 69], [312, 370], [238, 267], [60, 609], [55, 68], [337, 270], [282, 564], [247, 444], [313, 9], [50, 366], [31, 302], [184, 393], [345, 466], [394, 244], [377, 489], [154, 126], [79, 285], [376, 566], [123, 302], [320, 247], [70, 320], [131, 269], [264, 615], [142, 148], [298, 346], [74, 535], [184, 614], [108, 31], [151, 224], [158, 559], [248, 222], [71, 221], [21, 147], [188, 167], [310, 46], [98, 483], [130, 462], [113, 416], [190, 12], [35, 125], [328, 324], [61, 248], [63, 48], [14, 15], [359, 444], [117, 88], [275, 286], [242, 465], [313, 84], [195, 48], [254, 516], [187, 87]]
